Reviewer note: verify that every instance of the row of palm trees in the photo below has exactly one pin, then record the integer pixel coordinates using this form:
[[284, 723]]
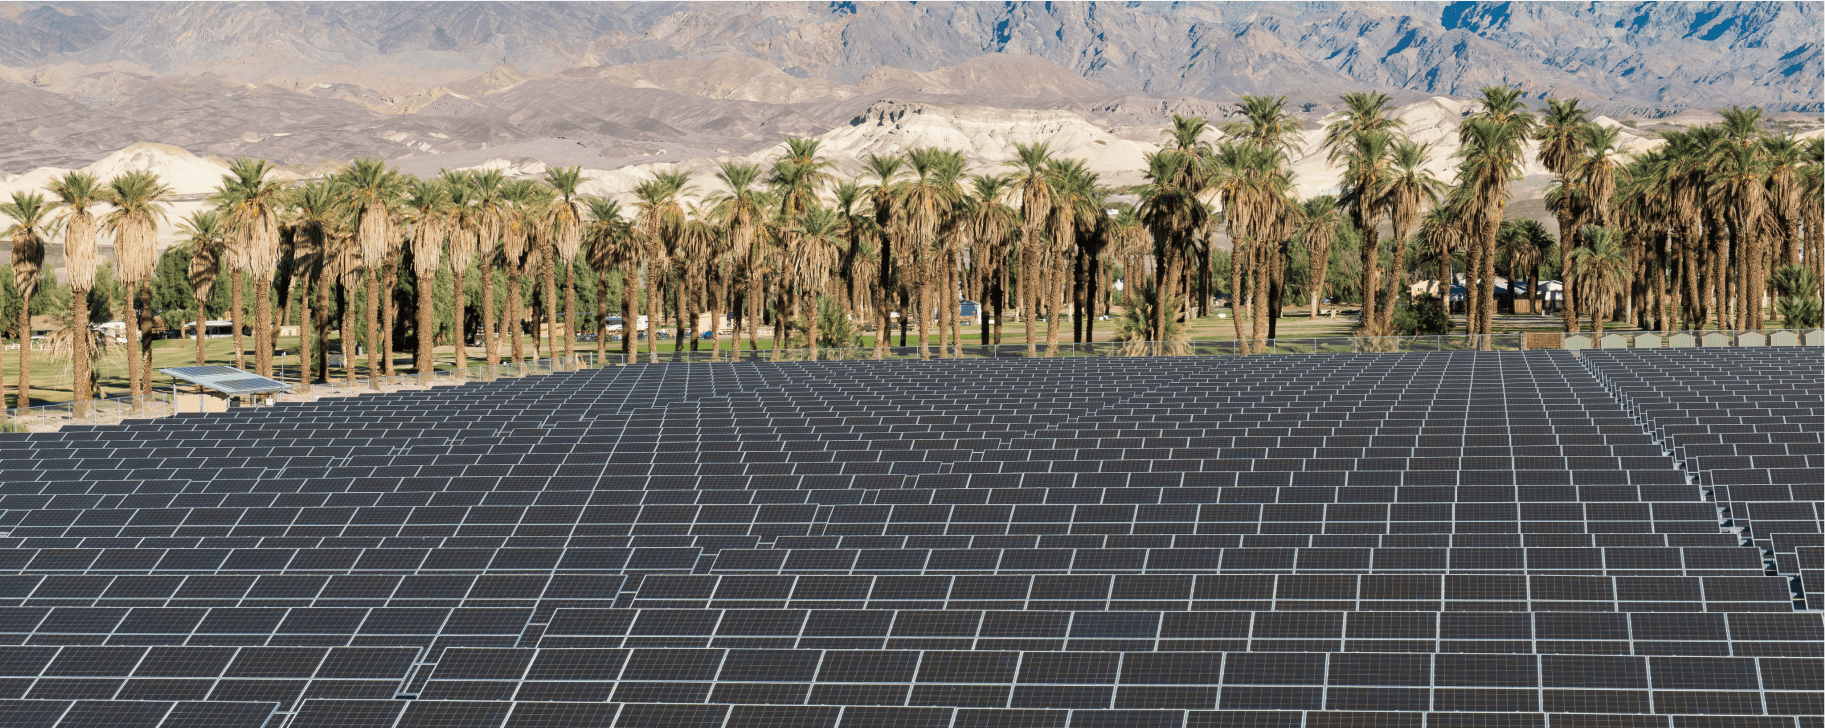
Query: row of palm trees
[[1684, 235]]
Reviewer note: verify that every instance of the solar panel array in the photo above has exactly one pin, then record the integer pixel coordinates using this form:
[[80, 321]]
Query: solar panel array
[[1438, 540]]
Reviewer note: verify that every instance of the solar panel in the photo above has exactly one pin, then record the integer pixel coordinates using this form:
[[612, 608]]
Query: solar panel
[[1296, 540], [227, 380]]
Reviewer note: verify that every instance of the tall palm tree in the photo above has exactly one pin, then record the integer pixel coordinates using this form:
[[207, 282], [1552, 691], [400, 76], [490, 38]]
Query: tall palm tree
[[134, 223], [316, 217], [1601, 271], [1410, 188], [1368, 171], [250, 218], [610, 247], [372, 190], [1492, 152], [567, 236], [428, 212], [659, 219], [1173, 214], [1561, 148], [1035, 185], [743, 211], [488, 223], [462, 233], [1076, 203], [925, 203], [1739, 193], [76, 193], [32, 225], [202, 232], [816, 240], [881, 197], [1319, 231], [989, 221]]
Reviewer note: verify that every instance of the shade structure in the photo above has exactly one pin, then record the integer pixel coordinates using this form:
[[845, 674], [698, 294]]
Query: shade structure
[[1439, 539]]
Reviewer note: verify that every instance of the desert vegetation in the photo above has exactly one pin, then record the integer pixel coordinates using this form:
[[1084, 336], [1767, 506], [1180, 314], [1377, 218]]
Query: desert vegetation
[[1718, 227]]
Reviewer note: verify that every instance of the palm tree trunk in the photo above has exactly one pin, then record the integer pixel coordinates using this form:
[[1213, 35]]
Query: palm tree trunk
[[427, 326], [1473, 303], [570, 315], [1029, 265], [200, 317], [489, 348], [630, 313], [389, 311], [262, 322], [22, 395], [1238, 263], [653, 314], [1487, 291], [1001, 301], [348, 331], [548, 271], [459, 335], [718, 304], [235, 313], [1090, 291], [516, 312], [1263, 269], [1371, 275], [1396, 275], [145, 346], [1077, 297], [373, 312], [305, 331], [1568, 240], [81, 358]]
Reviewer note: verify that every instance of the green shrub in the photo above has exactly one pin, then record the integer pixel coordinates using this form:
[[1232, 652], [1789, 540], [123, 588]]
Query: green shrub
[[1421, 316]]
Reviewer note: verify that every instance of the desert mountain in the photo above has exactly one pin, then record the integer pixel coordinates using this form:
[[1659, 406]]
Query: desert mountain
[[623, 85]]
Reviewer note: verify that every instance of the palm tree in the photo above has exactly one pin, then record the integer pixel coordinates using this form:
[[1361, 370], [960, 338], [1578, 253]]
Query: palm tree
[[134, 224], [462, 233], [1561, 148], [76, 192], [371, 191], [1173, 213], [1410, 188], [1492, 155], [743, 210], [566, 226], [1035, 186], [32, 224], [250, 218], [428, 212], [881, 197], [611, 246], [316, 218], [925, 204], [1319, 231], [1365, 113], [1367, 174], [1601, 271], [1739, 193], [488, 221], [1076, 203], [989, 221], [816, 239], [1265, 122], [202, 231], [660, 218], [1533, 243]]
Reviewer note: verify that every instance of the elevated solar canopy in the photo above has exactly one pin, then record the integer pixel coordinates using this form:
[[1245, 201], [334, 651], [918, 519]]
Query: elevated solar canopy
[[227, 380], [1527, 539]]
